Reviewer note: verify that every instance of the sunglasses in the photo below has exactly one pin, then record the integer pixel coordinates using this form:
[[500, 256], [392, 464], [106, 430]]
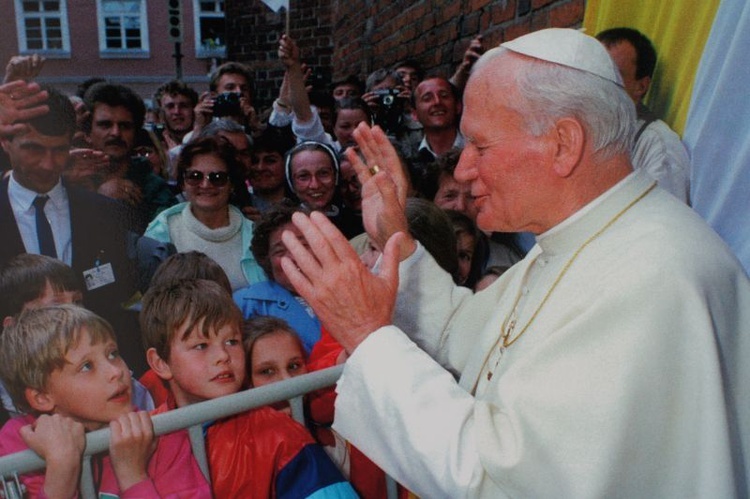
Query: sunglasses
[[194, 178]]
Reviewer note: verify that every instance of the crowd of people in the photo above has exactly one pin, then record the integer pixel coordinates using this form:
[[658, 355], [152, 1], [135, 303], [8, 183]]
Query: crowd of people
[[411, 226]]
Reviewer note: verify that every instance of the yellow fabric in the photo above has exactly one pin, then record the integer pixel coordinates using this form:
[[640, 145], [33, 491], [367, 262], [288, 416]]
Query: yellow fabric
[[678, 29]]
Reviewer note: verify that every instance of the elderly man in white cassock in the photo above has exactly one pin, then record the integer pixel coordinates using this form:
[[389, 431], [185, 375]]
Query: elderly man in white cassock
[[611, 361]]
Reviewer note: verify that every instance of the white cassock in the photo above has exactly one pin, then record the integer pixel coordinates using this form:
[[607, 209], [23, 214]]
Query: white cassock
[[625, 384]]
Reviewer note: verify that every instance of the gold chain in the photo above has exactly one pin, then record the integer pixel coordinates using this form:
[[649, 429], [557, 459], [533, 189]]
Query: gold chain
[[510, 324]]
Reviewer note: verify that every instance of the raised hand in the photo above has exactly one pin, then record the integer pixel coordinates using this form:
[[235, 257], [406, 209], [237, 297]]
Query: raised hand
[[384, 188], [23, 67], [20, 101], [350, 301]]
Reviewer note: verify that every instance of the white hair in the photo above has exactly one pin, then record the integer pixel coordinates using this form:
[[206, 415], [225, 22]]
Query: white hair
[[549, 92]]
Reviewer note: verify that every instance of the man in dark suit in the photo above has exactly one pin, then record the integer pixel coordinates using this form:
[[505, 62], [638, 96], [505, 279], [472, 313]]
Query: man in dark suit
[[40, 214]]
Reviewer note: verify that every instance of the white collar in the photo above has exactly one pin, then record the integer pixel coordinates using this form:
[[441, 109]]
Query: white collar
[[25, 197]]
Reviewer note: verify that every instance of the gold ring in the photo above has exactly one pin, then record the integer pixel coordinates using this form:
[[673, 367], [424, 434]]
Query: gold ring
[[374, 169]]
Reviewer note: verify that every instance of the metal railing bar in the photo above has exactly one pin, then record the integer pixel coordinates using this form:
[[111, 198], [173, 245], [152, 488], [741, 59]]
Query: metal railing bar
[[98, 441], [198, 445]]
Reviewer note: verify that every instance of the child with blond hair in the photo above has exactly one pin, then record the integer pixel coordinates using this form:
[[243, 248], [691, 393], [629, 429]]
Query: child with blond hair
[[61, 366]]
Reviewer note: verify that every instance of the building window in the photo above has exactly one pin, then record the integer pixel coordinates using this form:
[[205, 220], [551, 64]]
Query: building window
[[43, 28], [209, 28], [123, 28]]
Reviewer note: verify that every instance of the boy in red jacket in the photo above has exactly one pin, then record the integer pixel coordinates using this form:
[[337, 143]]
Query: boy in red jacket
[[192, 332]]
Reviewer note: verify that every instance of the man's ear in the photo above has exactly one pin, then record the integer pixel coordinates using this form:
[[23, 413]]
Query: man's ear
[[570, 137], [641, 87], [39, 401], [5, 142], [8, 321], [159, 365]]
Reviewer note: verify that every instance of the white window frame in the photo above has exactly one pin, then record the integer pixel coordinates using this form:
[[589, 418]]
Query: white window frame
[[23, 47], [202, 51], [122, 53]]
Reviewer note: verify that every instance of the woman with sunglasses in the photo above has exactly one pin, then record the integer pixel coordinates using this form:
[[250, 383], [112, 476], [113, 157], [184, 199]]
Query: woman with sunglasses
[[207, 172]]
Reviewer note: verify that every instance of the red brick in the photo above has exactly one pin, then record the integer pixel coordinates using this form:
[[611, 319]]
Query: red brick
[[515, 30], [539, 20], [567, 15], [475, 5], [501, 12]]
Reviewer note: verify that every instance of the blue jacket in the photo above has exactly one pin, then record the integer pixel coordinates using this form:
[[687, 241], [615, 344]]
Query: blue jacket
[[270, 298]]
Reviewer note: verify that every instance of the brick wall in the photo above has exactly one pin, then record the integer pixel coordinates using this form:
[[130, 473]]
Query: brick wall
[[253, 32], [340, 37]]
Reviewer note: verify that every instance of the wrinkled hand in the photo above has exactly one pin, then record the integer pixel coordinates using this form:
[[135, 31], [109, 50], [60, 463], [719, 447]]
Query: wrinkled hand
[[131, 445], [61, 442], [20, 101], [350, 301], [383, 194], [23, 67], [122, 189]]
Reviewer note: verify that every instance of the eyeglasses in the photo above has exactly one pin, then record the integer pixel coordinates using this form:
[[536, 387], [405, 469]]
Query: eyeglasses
[[194, 178], [322, 176], [143, 152]]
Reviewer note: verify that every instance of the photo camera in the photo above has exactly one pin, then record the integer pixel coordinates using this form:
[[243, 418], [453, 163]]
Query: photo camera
[[227, 104], [390, 112]]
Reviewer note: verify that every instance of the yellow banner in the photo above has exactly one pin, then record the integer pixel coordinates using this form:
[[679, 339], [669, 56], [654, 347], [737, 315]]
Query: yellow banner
[[678, 29]]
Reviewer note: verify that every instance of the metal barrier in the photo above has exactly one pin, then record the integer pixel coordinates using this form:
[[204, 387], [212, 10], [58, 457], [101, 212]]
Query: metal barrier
[[190, 417]]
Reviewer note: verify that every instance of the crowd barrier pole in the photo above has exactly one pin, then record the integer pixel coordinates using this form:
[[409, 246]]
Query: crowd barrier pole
[[191, 416]]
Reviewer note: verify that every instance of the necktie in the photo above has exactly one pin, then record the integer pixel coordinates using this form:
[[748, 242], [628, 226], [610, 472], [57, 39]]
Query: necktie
[[43, 229]]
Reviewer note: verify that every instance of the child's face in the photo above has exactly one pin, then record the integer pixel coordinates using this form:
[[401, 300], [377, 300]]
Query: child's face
[[466, 245], [277, 251], [205, 368], [93, 386], [276, 357]]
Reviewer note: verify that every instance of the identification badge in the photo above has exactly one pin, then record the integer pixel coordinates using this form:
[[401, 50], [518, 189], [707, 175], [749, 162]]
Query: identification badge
[[99, 276]]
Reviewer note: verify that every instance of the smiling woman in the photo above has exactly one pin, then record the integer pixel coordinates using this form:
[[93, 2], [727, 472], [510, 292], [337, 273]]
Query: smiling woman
[[207, 170], [312, 173]]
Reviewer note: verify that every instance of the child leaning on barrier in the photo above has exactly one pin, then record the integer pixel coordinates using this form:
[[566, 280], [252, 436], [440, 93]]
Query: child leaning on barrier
[[61, 365], [33, 281], [192, 332], [173, 270]]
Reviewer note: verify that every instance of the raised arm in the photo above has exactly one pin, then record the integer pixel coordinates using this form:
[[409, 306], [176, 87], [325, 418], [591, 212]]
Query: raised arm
[[295, 78], [473, 52]]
